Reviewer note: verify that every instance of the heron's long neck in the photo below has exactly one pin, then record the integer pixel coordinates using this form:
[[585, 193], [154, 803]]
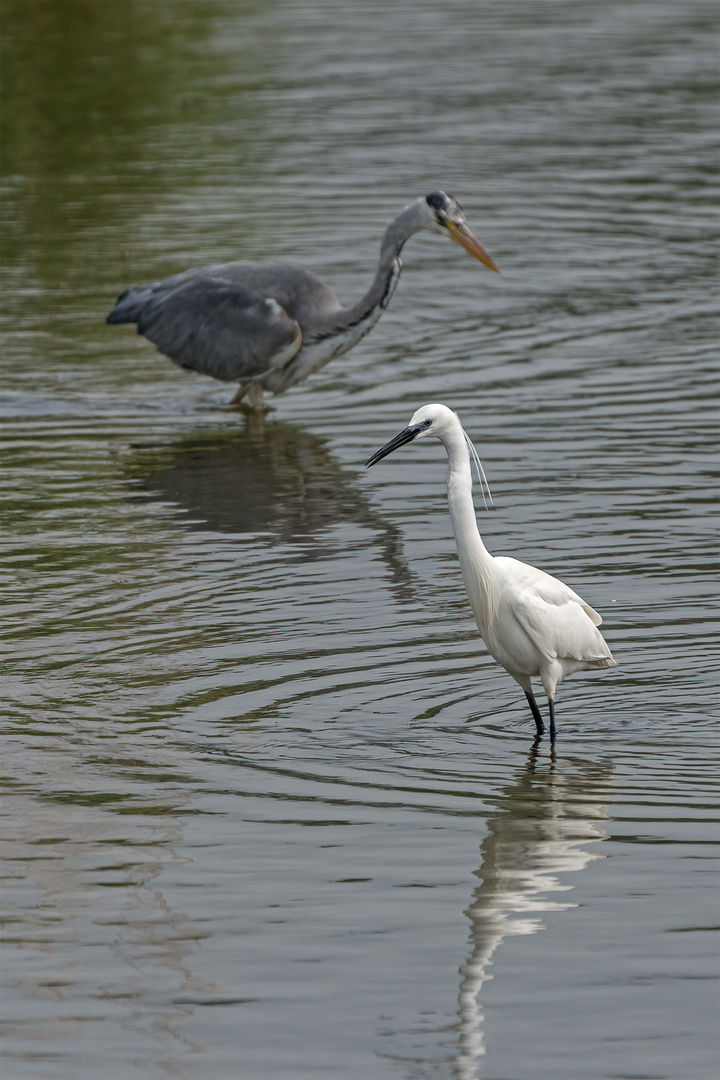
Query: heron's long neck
[[476, 562], [378, 296]]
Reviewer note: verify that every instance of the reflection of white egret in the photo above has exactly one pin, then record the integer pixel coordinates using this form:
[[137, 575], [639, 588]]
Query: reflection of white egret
[[547, 820], [532, 623]]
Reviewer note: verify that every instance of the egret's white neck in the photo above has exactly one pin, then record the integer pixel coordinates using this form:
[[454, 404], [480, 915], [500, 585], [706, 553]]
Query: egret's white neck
[[476, 562], [460, 500]]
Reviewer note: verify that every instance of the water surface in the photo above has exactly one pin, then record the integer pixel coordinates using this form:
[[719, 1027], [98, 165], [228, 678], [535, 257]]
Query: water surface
[[271, 809]]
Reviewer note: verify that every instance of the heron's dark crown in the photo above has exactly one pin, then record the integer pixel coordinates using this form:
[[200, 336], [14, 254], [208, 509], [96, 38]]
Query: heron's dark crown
[[445, 204]]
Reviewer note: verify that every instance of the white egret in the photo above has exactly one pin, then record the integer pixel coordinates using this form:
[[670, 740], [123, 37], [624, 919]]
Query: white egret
[[532, 624]]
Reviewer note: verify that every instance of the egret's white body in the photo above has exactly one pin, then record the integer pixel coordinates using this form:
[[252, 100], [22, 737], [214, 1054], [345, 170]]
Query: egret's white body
[[532, 623]]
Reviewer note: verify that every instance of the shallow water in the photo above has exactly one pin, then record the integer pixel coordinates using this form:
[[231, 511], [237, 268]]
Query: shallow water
[[271, 809]]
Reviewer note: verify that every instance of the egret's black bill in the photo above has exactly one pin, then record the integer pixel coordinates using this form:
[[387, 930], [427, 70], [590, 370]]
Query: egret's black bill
[[405, 436]]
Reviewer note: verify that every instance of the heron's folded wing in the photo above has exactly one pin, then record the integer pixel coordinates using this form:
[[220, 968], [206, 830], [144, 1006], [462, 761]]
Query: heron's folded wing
[[221, 329]]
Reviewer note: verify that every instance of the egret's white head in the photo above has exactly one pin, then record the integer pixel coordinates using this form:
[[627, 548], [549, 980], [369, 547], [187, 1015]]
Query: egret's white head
[[436, 420], [429, 420]]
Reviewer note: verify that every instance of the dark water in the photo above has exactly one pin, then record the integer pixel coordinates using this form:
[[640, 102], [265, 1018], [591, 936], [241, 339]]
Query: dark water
[[271, 809]]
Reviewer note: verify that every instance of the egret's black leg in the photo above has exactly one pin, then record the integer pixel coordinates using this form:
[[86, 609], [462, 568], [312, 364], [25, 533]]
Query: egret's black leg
[[536, 712], [551, 706]]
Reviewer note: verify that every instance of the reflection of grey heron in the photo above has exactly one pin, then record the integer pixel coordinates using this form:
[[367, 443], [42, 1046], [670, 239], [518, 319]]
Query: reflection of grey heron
[[275, 481], [532, 623], [269, 325], [546, 819]]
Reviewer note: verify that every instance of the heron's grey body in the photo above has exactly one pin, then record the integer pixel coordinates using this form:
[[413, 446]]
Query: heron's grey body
[[269, 325]]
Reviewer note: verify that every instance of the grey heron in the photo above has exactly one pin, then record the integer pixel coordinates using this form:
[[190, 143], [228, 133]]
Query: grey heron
[[266, 325], [532, 624]]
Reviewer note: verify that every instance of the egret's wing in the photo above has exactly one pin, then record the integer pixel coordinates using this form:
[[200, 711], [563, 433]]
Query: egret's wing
[[545, 585], [220, 328], [553, 616]]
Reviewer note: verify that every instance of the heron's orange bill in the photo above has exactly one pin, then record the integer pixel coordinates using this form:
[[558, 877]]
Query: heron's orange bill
[[462, 236]]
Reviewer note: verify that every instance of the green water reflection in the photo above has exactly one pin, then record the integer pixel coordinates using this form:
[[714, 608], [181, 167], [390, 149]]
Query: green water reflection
[[98, 102]]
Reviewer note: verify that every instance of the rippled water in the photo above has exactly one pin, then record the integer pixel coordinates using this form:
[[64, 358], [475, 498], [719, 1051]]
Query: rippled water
[[271, 809]]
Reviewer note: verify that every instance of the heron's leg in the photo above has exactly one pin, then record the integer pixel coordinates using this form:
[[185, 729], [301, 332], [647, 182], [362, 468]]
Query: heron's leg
[[249, 399], [255, 396], [551, 706], [535, 711]]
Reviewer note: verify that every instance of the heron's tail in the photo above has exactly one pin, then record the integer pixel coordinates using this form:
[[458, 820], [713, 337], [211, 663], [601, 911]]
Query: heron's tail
[[130, 304]]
